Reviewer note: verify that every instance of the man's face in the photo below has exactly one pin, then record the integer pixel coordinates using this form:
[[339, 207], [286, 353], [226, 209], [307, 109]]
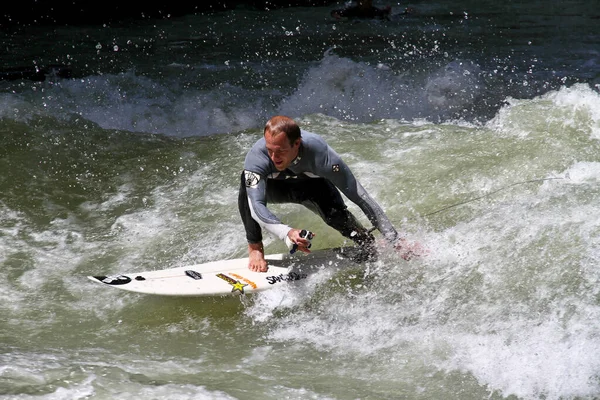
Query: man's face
[[280, 151]]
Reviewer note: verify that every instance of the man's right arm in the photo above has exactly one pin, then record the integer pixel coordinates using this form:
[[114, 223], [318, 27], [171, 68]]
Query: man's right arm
[[256, 190]]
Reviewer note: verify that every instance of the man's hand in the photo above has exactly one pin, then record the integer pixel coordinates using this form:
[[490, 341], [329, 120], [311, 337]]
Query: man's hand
[[409, 250], [294, 236]]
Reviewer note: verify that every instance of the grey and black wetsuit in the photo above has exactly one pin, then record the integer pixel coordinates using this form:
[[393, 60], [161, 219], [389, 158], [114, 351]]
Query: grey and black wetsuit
[[310, 180]]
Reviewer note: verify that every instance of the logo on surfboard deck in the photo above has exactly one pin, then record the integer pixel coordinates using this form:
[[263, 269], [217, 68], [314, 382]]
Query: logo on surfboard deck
[[292, 276], [114, 279], [236, 285], [241, 278]]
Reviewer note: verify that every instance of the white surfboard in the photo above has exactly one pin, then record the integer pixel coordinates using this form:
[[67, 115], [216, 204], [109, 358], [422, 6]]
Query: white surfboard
[[228, 277]]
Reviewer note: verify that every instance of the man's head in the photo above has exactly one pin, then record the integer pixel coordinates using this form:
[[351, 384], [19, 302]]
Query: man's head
[[282, 136]]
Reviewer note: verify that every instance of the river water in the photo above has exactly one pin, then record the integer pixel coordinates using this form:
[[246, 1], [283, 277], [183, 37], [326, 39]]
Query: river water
[[476, 126]]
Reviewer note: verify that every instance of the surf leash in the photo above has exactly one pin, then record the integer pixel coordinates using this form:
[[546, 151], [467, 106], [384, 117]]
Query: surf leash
[[491, 194]]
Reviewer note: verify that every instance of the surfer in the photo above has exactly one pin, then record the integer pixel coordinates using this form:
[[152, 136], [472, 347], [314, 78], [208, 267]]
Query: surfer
[[363, 9], [290, 165]]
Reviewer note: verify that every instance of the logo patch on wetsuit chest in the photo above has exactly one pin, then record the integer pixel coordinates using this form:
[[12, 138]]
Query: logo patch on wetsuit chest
[[335, 167], [252, 179]]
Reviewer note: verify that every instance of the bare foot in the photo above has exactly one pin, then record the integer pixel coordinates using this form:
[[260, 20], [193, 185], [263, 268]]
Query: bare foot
[[256, 258]]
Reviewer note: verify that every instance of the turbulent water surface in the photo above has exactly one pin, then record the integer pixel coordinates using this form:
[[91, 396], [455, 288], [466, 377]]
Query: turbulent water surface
[[476, 125]]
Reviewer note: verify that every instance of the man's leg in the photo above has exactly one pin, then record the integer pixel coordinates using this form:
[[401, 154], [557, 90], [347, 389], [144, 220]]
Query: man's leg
[[323, 198]]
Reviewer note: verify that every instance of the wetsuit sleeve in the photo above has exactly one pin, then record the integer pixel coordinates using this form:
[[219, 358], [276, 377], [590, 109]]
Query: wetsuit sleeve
[[342, 177], [256, 190]]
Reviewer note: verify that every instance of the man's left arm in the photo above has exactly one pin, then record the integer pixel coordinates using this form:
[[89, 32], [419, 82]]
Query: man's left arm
[[343, 178]]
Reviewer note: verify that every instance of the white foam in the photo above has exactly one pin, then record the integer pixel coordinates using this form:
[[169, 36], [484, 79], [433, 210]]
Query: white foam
[[135, 103], [350, 90], [572, 110], [14, 107], [581, 106], [536, 359], [582, 172]]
